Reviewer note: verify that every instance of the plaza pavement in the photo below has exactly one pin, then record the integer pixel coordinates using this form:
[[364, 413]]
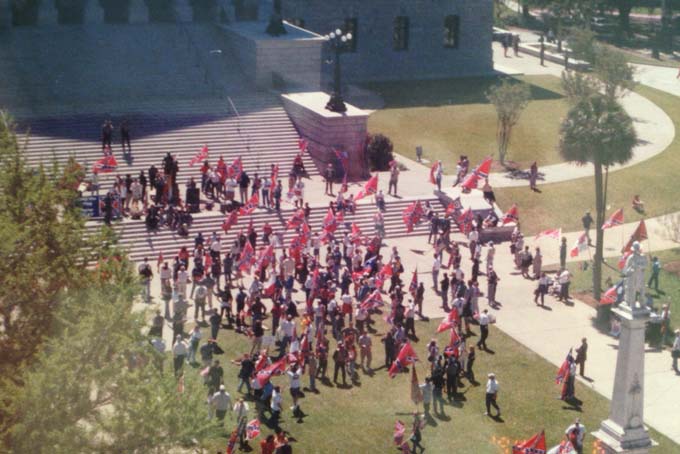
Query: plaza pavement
[[551, 331]]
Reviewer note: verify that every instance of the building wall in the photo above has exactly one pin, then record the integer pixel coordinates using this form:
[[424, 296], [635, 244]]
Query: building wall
[[426, 56]]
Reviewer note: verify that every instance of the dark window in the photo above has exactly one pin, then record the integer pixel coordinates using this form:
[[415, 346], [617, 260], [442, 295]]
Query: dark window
[[451, 29], [352, 26], [400, 37]]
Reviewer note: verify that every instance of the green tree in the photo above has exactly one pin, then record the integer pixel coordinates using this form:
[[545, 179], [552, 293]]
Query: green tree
[[597, 130], [509, 99], [97, 387]]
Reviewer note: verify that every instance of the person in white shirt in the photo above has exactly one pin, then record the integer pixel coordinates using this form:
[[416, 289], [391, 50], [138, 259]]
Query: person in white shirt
[[294, 375], [564, 279], [492, 395], [490, 254], [484, 321], [473, 237], [576, 433], [241, 413], [275, 406], [179, 354], [221, 402], [181, 284], [436, 266]]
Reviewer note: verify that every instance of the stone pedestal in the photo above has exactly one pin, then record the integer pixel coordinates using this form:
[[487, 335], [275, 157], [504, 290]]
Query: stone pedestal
[[624, 431], [94, 13], [327, 131], [139, 12], [48, 14], [5, 14], [183, 11]]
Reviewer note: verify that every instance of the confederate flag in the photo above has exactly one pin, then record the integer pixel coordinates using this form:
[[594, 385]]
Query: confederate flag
[[406, 357], [454, 207], [200, 156], [534, 445], [230, 221], [276, 368], [511, 215], [433, 172], [296, 220], [413, 286], [250, 205], [580, 245], [105, 165], [247, 258], [615, 219], [370, 188]]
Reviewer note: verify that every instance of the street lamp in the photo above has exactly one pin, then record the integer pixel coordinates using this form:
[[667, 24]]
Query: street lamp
[[339, 43]]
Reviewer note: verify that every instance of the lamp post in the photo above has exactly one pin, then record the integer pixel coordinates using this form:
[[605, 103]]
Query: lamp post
[[338, 42]]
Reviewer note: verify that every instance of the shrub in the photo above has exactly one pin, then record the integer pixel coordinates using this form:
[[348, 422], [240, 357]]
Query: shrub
[[379, 152]]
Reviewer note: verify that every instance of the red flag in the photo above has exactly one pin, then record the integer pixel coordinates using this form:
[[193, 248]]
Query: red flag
[[454, 317], [276, 368], [230, 221], [370, 188], [355, 235], [512, 215], [565, 447], [201, 156], [253, 429], [445, 324], [639, 234], [563, 371], [399, 432], [624, 258], [343, 187], [464, 221], [580, 245], [235, 169], [265, 257], [454, 343], [611, 295], [372, 301], [247, 258], [231, 444], [615, 219], [250, 205], [296, 220], [303, 144], [550, 233], [433, 172], [484, 168], [330, 223], [412, 214], [454, 207], [107, 164], [406, 357], [413, 286], [416, 392], [159, 262], [261, 362], [470, 182], [534, 445], [275, 174]]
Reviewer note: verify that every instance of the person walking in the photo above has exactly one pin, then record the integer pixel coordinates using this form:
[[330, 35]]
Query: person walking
[[221, 403], [394, 179], [492, 285], [416, 435], [329, 176], [563, 253], [426, 389], [179, 354], [533, 176], [484, 329], [581, 356], [587, 221], [656, 268], [675, 351], [492, 395], [438, 387], [542, 289]]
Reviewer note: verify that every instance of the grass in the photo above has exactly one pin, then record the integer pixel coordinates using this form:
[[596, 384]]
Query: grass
[[453, 117], [563, 204], [361, 418], [669, 280]]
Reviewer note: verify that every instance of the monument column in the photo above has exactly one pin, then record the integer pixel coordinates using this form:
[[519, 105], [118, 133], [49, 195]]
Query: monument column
[[5, 14], [183, 11], [624, 431], [94, 13], [48, 14], [139, 12]]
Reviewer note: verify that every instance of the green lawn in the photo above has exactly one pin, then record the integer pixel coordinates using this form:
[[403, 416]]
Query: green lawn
[[361, 418], [563, 204], [669, 279], [452, 117]]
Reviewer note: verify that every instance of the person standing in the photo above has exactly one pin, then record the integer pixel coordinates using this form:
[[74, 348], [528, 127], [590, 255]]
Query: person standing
[[179, 354], [542, 289], [125, 136], [438, 387], [426, 389], [576, 433], [656, 268], [492, 395], [564, 280], [452, 372], [675, 351], [416, 435], [436, 266], [533, 176], [145, 273], [484, 329], [394, 179], [107, 134], [563, 253], [294, 375], [581, 356], [329, 176], [241, 414], [587, 221], [537, 263], [275, 406], [365, 354], [339, 360], [438, 175], [492, 284]]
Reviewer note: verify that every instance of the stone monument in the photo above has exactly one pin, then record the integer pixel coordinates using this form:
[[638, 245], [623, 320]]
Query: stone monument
[[624, 431]]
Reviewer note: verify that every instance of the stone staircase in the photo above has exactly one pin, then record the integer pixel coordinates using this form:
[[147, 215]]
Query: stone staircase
[[141, 243]]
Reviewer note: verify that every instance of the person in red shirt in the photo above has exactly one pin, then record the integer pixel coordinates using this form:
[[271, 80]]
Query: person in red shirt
[[268, 445]]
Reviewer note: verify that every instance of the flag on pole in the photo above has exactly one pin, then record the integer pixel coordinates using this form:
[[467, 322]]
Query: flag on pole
[[613, 294], [370, 188], [399, 432], [275, 174], [330, 222], [565, 447], [464, 221], [580, 245], [372, 301], [201, 156], [296, 219], [231, 444], [230, 221], [433, 172], [638, 235], [406, 357], [303, 144], [276, 368], [470, 181], [550, 233], [483, 169], [416, 392], [445, 324], [250, 205], [343, 187], [253, 429], [412, 214], [615, 219], [454, 208], [512, 215], [563, 371], [235, 169], [247, 258], [534, 445], [159, 262], [413, 286]]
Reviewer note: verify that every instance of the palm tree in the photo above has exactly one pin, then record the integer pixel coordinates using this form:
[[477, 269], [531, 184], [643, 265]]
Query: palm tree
[[597, 130]]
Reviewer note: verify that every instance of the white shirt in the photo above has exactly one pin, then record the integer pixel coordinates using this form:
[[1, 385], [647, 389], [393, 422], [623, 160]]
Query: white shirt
[[473, 235], [179, 349], [581, 432], [276, 401], [294, 379], [166, 273], [676, 343], [158, 344], [484, 319], [436, 265], [287, 327], [491, 386], [221, 400], [564, 277]]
